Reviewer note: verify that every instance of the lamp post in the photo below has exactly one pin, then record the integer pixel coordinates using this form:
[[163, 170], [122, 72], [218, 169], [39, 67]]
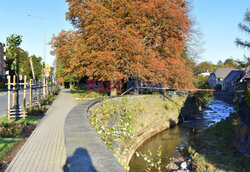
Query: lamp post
[[44, 50]]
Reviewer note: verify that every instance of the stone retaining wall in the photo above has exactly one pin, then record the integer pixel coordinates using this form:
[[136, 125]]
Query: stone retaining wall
[[156, 118]]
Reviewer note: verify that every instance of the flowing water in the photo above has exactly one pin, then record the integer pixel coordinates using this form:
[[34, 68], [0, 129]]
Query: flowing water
[[171, 138]]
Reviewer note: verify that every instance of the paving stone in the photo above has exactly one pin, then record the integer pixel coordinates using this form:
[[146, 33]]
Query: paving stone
[[45, 148], [85, 150]]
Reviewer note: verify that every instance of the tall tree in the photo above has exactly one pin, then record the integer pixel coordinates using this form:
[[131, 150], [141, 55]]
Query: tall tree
[[13, 53], [204, 67], [17, 55], [37, 64], [230, 63], [243, 64], [245, 27], [120, 39]]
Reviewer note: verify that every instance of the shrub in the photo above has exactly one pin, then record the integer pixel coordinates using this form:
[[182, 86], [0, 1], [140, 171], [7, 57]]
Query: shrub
[[11, 129], [247, 98], [169, 105], [2, 83], [202, 98], [35, 111], [180, 103]]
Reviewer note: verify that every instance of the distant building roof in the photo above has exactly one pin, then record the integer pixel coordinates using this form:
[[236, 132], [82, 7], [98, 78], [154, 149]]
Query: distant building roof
[[248, 69], [223, 72], [234, 76], [247, 76]]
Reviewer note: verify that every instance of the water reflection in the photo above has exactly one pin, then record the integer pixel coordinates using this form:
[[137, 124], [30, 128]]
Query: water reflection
[[171, 138], [168, 139]]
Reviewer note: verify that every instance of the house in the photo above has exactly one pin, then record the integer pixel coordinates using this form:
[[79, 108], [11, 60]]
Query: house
[[232, 80], [217, 77], [2, 50], [205, 73], [246, 78]]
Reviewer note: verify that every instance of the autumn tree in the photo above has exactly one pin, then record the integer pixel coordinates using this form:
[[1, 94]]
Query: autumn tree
[[117, 40]]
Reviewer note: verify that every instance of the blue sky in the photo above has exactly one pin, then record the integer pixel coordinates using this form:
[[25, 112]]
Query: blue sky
[[218, 20], [15, 20]]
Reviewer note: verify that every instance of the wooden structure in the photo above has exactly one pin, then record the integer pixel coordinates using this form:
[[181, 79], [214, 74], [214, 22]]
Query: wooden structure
[[17, 111]]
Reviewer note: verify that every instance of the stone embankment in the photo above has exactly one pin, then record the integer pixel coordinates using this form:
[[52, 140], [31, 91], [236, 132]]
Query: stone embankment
[[156, 113]]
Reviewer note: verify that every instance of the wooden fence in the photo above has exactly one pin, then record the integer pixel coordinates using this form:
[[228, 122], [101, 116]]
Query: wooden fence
[[15, 110]]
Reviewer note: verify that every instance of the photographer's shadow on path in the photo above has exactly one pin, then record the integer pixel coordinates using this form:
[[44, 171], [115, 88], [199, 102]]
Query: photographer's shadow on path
[[79, 162]]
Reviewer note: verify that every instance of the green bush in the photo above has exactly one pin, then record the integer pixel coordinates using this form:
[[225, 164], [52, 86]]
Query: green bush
[[202, 97], [35, 111], [2, 83], [11, 129], [247, 98], [169, 105], [180, 103]]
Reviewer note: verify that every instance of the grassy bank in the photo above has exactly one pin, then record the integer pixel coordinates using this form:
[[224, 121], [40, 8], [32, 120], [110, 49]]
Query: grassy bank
[[82, 96], [5, 145], [124, 123], [214, 148]]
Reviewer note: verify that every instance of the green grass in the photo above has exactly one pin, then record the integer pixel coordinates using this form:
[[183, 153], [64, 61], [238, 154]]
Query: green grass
[[5, 145], [29, 120], [46, 106], [90, 95], [81, 90], [82, 96], [81, 101], [214, 148]]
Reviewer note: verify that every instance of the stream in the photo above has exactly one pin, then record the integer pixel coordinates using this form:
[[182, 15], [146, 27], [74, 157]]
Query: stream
[[169, 139]]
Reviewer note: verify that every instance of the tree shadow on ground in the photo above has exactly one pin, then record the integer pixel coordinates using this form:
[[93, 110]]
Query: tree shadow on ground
[[80, 161]]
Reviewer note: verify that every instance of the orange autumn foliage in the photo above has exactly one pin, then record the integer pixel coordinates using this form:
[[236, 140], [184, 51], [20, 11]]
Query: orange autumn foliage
[[115, 40]]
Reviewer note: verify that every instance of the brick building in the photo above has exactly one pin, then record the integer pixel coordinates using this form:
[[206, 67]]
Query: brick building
[[2, 71]]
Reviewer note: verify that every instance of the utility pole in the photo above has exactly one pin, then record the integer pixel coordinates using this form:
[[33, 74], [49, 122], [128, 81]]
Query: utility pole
[[44, 48], [32, 68]]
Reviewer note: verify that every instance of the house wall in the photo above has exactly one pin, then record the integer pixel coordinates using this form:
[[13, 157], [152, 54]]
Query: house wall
[[2, 66], [212, 80]]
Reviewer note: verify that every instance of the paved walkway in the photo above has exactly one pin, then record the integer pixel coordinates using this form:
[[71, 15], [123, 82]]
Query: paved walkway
[[45, 149]]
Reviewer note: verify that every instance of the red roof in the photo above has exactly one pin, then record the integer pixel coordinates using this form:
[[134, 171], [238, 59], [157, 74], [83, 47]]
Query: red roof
[[247, 76]]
